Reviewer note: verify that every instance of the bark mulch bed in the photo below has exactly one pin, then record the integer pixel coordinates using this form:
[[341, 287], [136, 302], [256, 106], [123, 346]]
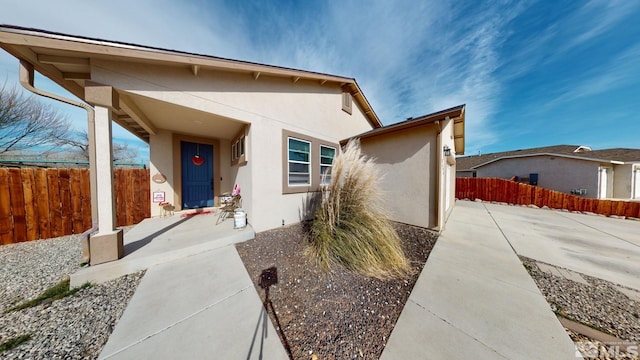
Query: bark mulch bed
[[334, 314]]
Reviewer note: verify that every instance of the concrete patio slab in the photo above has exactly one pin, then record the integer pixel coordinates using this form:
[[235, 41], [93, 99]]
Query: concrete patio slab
[[202, 306], [606, 248], [159, 240]]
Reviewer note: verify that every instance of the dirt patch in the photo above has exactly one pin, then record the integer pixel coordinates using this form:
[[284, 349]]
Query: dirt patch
[[333, 314]]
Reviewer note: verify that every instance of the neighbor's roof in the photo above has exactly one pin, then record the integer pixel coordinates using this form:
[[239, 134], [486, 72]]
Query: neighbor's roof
[[456, 114], [617, 155], [66, 60]]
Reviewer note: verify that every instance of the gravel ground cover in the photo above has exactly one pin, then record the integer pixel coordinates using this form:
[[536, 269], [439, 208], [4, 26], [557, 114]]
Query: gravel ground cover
[[333, 314], [75, 327], [599, 305]]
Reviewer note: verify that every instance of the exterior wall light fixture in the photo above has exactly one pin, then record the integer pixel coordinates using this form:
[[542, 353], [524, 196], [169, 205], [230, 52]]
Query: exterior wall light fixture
[[446, 150]]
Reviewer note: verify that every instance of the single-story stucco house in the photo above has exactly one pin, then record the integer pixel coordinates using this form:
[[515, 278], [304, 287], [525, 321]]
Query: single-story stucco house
[[212, 123], [579, 170]]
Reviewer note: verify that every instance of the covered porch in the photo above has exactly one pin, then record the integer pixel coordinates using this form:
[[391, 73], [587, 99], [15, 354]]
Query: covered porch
[[193, 148]]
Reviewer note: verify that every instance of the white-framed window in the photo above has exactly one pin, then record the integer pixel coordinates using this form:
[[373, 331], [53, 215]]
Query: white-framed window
[[327, 154], [299, 162], [238, 149]]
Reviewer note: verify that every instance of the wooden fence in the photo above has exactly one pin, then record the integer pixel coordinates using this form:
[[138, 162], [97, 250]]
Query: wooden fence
[[511, 192], [46, 203]]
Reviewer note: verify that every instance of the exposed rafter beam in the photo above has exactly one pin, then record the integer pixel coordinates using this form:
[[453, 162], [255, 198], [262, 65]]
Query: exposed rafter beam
[[76, 76], [323, 81], [295, 79], [54, 59], [256, 75], [136, 114], [195, 69], [47, 70]]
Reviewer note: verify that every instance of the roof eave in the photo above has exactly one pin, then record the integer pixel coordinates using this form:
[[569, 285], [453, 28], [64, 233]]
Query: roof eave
[[455, 113], [14, 37]]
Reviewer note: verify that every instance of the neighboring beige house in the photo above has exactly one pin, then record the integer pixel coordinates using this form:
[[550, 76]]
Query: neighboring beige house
[[417, 158], [572, 169], [212, 123]]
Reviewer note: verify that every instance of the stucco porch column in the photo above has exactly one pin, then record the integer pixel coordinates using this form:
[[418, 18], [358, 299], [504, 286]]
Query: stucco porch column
[[107, 244]]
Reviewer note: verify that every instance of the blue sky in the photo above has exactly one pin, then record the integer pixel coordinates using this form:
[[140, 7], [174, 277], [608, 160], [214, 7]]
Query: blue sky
[[532, 73]]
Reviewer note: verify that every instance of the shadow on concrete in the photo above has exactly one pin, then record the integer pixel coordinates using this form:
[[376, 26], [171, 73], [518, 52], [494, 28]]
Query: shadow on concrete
[[137, 245], [268, 277]]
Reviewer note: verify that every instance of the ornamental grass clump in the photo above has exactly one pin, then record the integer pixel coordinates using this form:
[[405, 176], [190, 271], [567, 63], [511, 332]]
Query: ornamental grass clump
[[350, 227]]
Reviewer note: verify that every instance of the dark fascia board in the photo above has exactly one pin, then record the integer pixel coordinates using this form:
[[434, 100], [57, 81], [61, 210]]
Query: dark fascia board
[[452, 113]]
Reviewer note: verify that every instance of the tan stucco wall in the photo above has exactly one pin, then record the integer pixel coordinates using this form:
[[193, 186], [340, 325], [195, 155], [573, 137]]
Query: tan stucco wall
[[307, 104], [268, 105], [556, 173], [161, 162], [406, 160]]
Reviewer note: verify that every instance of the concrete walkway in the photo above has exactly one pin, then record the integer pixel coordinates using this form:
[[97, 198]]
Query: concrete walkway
[[196, 300], [474, 299], [199, 307]]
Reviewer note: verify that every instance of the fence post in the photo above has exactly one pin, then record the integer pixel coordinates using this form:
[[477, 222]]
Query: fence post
[[6, 222]]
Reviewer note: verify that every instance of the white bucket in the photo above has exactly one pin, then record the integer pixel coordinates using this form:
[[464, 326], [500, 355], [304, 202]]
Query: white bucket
[[239, 219]]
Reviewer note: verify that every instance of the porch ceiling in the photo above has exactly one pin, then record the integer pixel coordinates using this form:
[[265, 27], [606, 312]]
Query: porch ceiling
[[184, 120], [143, 115]]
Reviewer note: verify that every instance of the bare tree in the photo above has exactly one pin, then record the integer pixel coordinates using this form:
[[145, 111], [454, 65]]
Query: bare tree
[[79, 144], [27, 123]]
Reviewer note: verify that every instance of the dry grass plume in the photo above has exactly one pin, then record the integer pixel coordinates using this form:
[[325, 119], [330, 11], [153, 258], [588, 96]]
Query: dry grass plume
[[350, 227]]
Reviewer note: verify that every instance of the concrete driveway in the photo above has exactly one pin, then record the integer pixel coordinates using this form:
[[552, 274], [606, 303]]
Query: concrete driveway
[[606, 248]]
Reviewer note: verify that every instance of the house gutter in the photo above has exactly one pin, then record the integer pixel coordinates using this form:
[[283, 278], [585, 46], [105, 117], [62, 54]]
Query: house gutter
[[27, 81]]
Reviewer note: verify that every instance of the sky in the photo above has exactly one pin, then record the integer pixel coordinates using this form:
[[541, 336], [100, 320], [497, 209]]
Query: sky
[[531, 73]]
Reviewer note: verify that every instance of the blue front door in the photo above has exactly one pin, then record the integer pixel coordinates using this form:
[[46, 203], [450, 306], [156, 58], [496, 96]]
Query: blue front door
[[197, 175]]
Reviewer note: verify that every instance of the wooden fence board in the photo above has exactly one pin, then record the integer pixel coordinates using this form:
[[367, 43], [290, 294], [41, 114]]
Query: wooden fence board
[[144, 195], [85, 193], [119, 193], [137, 203], [53, 185], [17, 206], [6, 222], [471, 194], [31, 205], [65, 201], [76, 200], [42, 199]]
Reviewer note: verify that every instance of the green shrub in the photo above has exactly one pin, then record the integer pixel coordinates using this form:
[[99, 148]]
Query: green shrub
[[350, 227], [13, 342], [56, 292]]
